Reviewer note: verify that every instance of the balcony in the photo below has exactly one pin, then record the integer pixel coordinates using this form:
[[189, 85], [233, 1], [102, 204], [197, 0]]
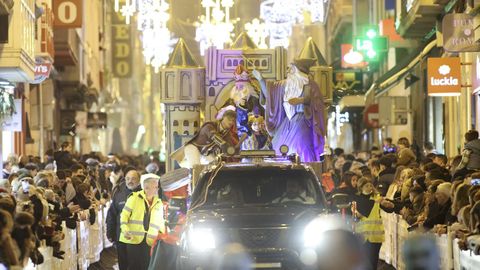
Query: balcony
[[66, 47], [17, 55], [47, 48], [418, 17]]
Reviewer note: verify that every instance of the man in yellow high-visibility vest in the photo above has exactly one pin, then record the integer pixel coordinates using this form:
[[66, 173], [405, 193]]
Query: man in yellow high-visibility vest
[[141, 221]]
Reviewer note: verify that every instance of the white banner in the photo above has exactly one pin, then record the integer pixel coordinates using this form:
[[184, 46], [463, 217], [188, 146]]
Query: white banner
[[14, 122]]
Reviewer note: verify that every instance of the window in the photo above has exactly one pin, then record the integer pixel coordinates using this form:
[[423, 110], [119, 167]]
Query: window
[[186, 132], [186, 123], [175, 123], [195, 123], [211, 91]]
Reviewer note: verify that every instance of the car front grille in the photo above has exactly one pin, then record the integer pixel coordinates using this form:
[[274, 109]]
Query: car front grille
[[260, 238]]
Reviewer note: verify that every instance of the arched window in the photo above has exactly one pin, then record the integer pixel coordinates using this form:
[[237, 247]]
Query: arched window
[[235, 63], [195, 123], [241, 62], [175, 133], [185, 123], [211, 91], [257, 63], [229, 63], [264, 63], [175, 123], [186, 132]]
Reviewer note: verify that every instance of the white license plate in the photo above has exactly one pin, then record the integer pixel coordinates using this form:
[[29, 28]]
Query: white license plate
[[267, 265]]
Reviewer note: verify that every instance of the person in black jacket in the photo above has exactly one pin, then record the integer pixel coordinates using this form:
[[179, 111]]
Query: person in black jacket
[[63, 157], [120, 195]]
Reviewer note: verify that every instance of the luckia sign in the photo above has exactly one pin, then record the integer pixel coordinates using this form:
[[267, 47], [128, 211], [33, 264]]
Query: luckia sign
[[444, 76]]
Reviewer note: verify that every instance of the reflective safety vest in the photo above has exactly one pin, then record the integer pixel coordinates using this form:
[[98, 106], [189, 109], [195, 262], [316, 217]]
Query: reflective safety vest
[[371, 227], [132, 219]]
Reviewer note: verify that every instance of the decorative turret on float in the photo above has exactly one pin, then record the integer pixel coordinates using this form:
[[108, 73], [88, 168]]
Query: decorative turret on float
[[182, 88], [321, 72]]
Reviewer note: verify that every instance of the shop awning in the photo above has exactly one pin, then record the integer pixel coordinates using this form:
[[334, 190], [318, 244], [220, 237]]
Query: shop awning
[[401, 69]]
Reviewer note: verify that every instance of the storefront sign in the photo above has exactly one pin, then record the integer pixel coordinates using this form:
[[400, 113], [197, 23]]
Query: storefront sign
[[459, 33], [122, 46], [42, 72], [476, 73], [351, 58], [68, 13], [444, 76], [14, 122], [348, 80]]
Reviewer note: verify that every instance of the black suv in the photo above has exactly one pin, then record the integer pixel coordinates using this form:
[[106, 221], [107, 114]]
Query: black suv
[[269, 208]]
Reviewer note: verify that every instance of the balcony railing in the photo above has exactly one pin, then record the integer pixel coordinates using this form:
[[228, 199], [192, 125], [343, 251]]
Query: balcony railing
[[47, 47]]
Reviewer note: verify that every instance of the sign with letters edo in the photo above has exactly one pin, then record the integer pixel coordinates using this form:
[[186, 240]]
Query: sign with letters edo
[[121, 46], [459, 33], [68, 13], [444, 76]]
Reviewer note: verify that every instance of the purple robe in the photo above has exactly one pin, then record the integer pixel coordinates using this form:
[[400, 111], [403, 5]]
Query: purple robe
[[304, 133]]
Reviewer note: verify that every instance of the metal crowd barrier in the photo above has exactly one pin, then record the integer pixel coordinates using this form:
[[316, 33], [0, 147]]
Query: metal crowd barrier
[[451, 256], [82, 246]]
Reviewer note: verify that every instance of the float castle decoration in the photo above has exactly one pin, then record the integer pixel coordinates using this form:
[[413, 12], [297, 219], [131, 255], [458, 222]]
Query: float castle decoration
[[193, 95]]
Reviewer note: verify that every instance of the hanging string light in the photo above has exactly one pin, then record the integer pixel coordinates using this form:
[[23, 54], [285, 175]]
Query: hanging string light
[[258, 32], [152, 19], [215, 27], [281, 15]]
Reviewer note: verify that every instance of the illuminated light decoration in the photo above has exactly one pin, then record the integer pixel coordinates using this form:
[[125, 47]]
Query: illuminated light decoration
[[258, 32], [281, 15], [317, 9], [156, 37], [215, 27], [152, 18]]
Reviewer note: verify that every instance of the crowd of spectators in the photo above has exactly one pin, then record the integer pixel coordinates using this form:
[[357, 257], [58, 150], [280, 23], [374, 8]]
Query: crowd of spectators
[[429, 190], [36, 198]]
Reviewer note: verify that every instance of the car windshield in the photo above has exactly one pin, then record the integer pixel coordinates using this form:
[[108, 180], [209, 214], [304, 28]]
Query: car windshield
[[262, 186]]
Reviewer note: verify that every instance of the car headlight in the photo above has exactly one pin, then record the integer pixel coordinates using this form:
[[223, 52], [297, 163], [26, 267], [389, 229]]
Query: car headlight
[[201, 239], [314, 232]]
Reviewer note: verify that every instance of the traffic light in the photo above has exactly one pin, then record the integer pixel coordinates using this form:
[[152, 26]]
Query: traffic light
[[371, 44]]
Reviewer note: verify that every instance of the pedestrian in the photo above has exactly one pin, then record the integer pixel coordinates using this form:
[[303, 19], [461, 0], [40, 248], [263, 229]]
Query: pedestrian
[[141, 221], [370, 225], [119, 198]]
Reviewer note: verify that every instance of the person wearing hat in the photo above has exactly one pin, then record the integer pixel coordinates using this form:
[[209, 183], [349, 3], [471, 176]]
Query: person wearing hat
[[211, 139], [294, 111], [244, 96], [152, 168], [440, 210], [141, 221], [370, 225]]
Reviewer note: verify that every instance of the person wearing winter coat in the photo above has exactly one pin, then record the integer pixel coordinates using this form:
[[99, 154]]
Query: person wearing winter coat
[[119, 198]]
